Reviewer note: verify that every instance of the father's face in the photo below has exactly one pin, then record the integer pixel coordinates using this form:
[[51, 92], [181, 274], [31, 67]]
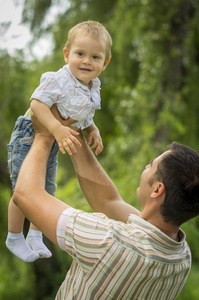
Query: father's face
[[144, 190]]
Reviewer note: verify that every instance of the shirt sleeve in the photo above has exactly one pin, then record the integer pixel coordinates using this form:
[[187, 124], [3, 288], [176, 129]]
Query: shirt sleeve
[[84, 236], [50, 90]]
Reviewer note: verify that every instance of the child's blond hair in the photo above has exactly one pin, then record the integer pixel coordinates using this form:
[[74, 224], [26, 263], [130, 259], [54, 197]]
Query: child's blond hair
[[95, 29]]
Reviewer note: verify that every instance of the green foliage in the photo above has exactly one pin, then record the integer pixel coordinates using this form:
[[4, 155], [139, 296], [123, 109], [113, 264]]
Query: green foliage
[[191, 229], [17, 277], [13, 94], [70, 192], [34, 13], [149, 98]]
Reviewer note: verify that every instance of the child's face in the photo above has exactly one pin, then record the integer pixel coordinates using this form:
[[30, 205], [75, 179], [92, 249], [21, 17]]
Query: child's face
[[86, 58]]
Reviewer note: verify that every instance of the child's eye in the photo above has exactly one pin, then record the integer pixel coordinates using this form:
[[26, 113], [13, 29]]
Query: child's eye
[[95, 57], [80, 54]]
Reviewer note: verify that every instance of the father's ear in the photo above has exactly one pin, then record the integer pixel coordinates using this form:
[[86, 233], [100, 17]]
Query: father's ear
[[158, 189]]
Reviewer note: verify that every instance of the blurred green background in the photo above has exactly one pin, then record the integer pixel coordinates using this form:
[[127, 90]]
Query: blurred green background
[[150, 93]]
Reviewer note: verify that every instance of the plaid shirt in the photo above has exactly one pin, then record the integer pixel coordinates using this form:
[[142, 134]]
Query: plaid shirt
[[116, 260]]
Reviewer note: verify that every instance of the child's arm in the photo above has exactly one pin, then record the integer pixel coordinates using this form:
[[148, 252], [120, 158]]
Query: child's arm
[[65, 136], [94, 136]]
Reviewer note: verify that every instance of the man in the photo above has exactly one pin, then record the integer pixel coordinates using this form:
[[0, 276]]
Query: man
[[118, 252]]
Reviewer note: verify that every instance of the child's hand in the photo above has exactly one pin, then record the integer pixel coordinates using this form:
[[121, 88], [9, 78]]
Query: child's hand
[[95, 138], [65, 137]]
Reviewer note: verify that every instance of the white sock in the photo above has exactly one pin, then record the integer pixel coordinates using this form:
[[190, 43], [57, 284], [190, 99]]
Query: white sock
[[16, 243], [35, 241]]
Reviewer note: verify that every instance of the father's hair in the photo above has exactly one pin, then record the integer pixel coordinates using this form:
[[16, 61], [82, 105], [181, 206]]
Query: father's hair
[[93, 28], [179, 171]]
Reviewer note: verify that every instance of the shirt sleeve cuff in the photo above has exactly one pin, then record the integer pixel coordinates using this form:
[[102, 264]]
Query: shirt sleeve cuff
[[62, 225]]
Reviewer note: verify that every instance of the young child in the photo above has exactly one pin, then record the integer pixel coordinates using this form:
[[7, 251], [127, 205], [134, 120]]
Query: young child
[[75, 90]]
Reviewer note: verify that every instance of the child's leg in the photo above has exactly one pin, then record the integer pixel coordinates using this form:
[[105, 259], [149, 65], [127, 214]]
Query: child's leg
[[15, 241]]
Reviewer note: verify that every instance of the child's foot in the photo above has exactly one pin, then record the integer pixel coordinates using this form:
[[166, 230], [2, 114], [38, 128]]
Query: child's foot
[[16, 243], [35, 240]]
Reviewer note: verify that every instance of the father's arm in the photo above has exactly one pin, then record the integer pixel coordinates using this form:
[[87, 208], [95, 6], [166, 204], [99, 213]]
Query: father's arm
[[98, 188], [42, 209]]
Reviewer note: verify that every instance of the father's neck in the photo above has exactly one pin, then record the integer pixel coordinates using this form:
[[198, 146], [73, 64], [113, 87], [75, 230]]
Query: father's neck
[[167, 228]]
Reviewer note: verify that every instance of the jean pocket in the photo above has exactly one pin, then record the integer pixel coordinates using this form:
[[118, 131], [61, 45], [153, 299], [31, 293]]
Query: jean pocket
[[26, 140]]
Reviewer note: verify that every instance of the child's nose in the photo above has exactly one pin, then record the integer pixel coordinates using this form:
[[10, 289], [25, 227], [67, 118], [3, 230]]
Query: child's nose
[[87, 60]]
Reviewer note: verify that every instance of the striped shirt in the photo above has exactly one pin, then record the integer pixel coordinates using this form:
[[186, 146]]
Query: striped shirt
[[72, 98], [116, 260]]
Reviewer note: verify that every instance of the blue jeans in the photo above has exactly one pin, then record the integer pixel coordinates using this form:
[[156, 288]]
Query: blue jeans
[[18, 147]]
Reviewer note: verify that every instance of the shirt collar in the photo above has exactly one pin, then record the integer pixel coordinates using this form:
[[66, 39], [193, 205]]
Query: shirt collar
[[95, 82], [148, 227]]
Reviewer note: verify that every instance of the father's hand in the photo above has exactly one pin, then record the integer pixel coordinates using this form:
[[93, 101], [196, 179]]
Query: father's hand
[[68, 122], [42, 130]]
